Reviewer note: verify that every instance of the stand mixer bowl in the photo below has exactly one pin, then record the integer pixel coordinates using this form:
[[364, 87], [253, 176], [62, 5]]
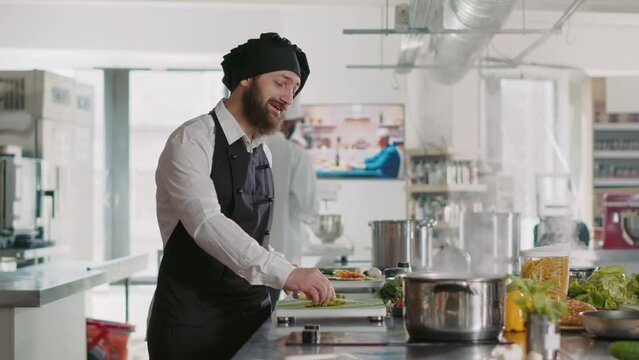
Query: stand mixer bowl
[[328, 227]]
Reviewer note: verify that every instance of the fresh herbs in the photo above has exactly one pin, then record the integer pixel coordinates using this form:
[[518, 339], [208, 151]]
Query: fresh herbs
[[391, 292], [534, 300], [607, 288], [336, 302]]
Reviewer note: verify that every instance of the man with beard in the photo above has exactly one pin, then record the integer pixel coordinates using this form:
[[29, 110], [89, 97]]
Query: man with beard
[[214, 208]]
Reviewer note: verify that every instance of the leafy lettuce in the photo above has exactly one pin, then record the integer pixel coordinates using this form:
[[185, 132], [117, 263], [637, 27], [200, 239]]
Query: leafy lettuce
[[606, 288]]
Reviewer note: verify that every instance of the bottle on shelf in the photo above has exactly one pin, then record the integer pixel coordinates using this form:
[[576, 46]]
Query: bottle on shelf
[[337, 146]]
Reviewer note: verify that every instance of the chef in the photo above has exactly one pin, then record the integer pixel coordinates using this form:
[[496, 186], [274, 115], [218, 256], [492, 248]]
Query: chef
[[386, 162], [295, 189], [214, 207]]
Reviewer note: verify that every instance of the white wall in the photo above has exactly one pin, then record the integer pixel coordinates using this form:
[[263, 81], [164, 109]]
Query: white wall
[[163, 34], [362, 200], [196, 35], [443, 115], [600, 44]]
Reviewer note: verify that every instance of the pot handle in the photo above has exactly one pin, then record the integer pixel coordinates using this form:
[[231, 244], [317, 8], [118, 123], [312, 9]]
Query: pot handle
[[453, 286], [429, 223]]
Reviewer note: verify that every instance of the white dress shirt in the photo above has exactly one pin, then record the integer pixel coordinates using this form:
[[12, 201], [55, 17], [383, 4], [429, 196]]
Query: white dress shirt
[[185, 192], [295, 196]]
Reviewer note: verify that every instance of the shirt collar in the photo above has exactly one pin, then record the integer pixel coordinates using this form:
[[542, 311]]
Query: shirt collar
[[232, 129]]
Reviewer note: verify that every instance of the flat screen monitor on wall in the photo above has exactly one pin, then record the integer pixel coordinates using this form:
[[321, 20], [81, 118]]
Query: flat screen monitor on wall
[[354, 140]]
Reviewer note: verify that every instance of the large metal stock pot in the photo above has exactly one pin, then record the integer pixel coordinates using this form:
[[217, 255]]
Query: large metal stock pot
[[402, 240], [440, 307]]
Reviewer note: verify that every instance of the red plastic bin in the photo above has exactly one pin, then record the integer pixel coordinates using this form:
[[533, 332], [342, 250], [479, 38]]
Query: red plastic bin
[[107, 340]]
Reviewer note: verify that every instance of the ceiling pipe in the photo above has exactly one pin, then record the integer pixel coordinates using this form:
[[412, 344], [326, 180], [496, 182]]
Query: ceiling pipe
[[455, 53]]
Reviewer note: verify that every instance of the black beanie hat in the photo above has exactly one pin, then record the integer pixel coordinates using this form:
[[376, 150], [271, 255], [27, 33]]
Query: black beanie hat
[[269, 53]]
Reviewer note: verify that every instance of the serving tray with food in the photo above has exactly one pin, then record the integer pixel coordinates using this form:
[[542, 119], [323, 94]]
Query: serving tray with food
[[354, 278]]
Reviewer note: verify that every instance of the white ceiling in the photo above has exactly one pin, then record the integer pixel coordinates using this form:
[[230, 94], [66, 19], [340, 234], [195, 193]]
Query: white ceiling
[[614, 6]]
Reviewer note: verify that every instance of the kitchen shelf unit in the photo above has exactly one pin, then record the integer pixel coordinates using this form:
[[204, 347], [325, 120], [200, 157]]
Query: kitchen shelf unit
[[440, 185], [616, 127], [616, 154], [615, 142], [616, 182], [443, 189]]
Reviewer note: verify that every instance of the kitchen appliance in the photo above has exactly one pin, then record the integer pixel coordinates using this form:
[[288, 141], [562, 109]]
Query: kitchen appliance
[[581, 272], [621, 221], [492, 239], [23, 220], [51, 118], [442, 307], [328, 227], [556, 210], [396, 241]]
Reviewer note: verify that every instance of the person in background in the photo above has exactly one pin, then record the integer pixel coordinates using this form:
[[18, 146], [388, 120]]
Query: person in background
[[386, 162], [214, 208], [295, 189]]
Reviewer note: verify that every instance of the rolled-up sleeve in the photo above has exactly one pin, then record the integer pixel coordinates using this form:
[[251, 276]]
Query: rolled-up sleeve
[[184, 183]]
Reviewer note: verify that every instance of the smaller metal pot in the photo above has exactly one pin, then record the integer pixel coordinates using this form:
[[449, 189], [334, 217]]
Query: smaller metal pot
[[447, 308]]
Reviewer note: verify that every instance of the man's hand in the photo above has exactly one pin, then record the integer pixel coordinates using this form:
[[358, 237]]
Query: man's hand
[[312, 283]]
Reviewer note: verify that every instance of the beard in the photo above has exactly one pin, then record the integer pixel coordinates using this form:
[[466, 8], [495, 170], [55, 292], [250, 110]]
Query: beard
[[257, 113]]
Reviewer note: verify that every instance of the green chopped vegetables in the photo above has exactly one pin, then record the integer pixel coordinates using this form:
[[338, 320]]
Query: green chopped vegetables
[[535, 301], [607, 288], [624, 350], [391, 292], [336, 302]]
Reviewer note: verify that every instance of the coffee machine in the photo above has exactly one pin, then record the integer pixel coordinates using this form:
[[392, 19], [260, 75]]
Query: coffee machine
[[23, 219]]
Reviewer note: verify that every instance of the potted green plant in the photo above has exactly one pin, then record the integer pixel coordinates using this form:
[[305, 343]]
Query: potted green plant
[[541, 311]]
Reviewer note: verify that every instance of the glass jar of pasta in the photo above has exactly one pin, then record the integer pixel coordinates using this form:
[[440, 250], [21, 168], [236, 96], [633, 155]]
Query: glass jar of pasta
[[548, 262]]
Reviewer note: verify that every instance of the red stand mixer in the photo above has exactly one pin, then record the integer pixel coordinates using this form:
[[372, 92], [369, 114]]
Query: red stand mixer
[[621, 221]]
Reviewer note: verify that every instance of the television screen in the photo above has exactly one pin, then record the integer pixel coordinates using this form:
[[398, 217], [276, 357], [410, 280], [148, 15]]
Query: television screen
[[354, 140]]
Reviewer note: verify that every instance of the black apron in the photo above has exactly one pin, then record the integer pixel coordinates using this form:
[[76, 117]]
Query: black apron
[[201, 308]]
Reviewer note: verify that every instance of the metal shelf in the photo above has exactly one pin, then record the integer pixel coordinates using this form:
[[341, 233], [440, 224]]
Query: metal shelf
[[616, 154], [616, 127], [322, 126], [615, 182], [440, 154], [428, 31], [442, 189]]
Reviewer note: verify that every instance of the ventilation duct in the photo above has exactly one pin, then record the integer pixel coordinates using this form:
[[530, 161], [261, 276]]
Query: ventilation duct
[[421, 14], [453, 54]]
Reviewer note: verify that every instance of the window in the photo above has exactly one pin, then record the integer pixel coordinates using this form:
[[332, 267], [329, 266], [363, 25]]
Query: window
[[160, 101]]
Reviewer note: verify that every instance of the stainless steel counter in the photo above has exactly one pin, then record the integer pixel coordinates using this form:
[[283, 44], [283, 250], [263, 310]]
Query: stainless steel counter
[[33, 253], [269, 342], [37, 285]]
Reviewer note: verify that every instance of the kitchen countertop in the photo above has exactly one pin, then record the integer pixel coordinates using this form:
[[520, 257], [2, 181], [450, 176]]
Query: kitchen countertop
[[38, 285], [269, 342]]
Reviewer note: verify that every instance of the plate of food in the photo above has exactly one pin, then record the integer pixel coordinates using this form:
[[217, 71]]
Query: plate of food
[[351, 274]]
